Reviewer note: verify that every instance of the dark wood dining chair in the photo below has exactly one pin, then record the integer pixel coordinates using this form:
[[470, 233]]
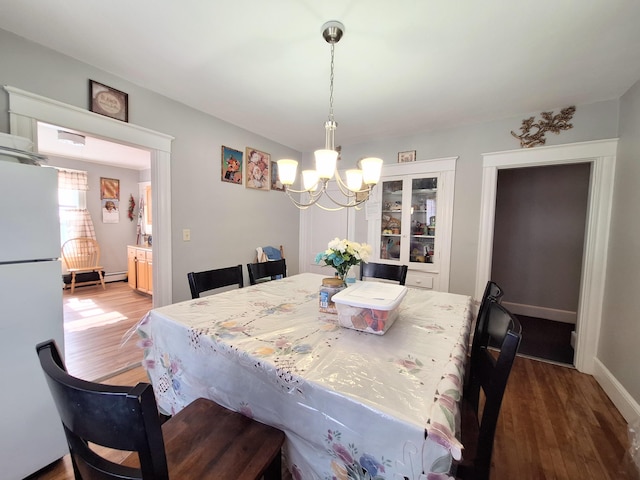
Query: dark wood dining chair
[[206, 280], [271, 269], [202, 441], [384, 271], [490, 376], [492, 293]]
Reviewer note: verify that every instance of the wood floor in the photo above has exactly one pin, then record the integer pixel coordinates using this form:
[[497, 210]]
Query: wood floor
[[555, 423], [97, 326]]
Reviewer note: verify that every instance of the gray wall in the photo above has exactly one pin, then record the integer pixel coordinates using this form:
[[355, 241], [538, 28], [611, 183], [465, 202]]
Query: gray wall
[[618, 349], [591, 122], [227, 221], [539, 234]]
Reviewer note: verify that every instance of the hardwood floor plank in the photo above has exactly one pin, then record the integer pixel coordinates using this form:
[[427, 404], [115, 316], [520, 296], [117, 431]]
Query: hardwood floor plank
[[96, 324]]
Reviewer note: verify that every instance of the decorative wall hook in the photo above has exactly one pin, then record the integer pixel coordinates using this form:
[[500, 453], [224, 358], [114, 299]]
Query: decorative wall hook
[[549, 123]]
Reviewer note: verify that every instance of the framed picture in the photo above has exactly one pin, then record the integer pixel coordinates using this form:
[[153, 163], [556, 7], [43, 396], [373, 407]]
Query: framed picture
[[231, 165], [109, 189], [258, 170], [276, 184], [110, 211], [409, 156], [108, 101]]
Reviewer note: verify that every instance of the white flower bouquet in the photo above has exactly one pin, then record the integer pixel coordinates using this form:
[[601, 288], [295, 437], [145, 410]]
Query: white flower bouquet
[[344, 254]]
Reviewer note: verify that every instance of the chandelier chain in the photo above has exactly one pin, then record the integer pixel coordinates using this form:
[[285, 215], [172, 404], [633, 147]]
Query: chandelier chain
[[331, 85]]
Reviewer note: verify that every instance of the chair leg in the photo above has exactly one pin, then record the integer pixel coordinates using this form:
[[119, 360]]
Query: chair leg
[[274, 470], [73, 282], [101, 279]]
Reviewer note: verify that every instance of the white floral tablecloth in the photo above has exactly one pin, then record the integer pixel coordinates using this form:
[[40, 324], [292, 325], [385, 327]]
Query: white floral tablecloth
[[353, 405]]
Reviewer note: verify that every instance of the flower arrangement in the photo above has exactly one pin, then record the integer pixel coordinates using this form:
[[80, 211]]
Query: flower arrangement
[[344, 254]]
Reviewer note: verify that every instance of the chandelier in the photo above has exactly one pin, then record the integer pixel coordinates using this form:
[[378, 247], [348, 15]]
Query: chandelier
[[359, 181]]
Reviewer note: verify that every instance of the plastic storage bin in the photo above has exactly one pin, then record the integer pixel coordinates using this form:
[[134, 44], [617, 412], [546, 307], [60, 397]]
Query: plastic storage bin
[[370, 307]]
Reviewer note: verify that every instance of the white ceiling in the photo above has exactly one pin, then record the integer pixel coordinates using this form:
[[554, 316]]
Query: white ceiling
[[94, 150], [403, 66]]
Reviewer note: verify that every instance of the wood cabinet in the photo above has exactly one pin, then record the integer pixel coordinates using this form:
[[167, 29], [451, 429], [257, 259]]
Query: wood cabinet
[[140, 268], [411, 220]]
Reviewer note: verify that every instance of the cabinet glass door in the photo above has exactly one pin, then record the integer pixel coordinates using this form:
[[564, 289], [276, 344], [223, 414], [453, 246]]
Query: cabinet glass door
[[391, 220], [423, 219]]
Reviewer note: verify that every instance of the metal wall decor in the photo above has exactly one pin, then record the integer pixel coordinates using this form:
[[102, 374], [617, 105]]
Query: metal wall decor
[[549, 123]]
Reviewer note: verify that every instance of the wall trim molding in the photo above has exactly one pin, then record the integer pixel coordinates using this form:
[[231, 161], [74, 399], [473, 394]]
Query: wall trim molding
[[624, 402], [601, 154], [564, 316]]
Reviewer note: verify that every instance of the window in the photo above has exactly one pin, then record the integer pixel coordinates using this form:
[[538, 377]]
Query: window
[[75, 220]]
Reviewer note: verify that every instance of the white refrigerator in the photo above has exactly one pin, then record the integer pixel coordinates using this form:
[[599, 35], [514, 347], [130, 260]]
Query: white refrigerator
[[31, 434]]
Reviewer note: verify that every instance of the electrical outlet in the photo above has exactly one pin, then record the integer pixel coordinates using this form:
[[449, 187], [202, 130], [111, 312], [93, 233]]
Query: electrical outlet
[[186, 235]]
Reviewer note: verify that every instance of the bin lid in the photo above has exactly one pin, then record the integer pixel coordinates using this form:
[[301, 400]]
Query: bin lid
[[375, 295]]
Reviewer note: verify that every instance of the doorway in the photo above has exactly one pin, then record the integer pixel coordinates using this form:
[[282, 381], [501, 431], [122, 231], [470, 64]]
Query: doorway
[[28, 108], [538, 241], [601, 154]]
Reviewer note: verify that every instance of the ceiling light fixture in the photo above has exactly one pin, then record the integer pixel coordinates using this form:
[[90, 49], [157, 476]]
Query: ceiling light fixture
[[359, 182], [71, 138]]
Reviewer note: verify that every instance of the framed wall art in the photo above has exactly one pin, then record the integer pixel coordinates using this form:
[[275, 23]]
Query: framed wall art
[[258, 170], [276, 184], [231, 165], [110, 211], [108, 101], [409, 156], [109, 189]]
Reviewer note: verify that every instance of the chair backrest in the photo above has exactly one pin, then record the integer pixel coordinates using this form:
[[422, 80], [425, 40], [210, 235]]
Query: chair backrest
[[262, 270], [81, 252], [384, 271], [490, 374], [121, 418], [211, 279], [492, 293]]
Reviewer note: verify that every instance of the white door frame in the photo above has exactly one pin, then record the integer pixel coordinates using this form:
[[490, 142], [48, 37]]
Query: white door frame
[[602, 156], [26, 109]]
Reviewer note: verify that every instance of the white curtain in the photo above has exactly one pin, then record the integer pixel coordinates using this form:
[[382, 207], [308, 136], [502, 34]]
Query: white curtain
[[72, 180], [74, 221]]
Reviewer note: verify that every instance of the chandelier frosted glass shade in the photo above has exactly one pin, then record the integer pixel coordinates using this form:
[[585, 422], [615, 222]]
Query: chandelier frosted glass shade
[[371, 170], [287, 171], [326, 163]]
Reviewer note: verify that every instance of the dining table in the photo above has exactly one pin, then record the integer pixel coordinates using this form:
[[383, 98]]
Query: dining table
[[353, 405]]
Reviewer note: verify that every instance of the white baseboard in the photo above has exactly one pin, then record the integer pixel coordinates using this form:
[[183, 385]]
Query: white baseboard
[[628, 407], [564, 316]]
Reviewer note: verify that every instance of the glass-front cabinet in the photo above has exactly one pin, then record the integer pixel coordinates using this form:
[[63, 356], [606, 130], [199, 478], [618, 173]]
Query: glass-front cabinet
[[410, 220]]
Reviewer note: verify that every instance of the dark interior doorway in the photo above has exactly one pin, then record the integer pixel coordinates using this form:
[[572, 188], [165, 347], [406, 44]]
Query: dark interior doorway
[[539, 233]]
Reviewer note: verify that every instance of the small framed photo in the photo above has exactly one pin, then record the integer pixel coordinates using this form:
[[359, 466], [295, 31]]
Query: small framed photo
[[276, 184], [258, 170], [109, 189], [231, 165], [110, 211], [409, 156], [108, 101]]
